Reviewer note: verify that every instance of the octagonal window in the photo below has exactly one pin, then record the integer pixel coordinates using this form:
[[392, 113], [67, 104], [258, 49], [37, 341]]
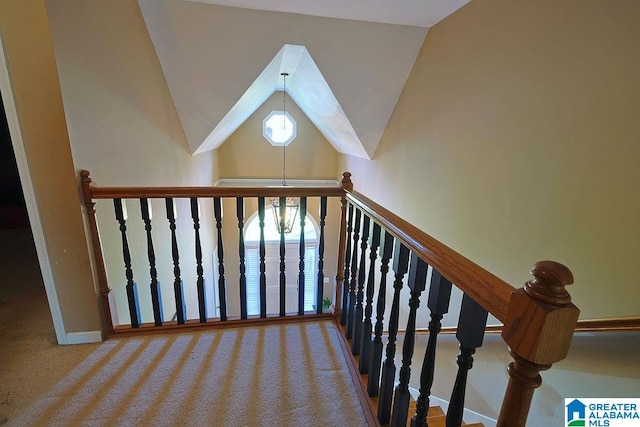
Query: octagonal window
[[279, 128]]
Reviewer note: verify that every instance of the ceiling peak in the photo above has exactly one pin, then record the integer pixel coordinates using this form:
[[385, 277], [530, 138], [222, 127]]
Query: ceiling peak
[[221, 63], [310, 91]]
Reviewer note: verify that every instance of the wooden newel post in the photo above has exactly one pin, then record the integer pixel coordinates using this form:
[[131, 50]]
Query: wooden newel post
[[105, 291], [346, 185], [538, 329]]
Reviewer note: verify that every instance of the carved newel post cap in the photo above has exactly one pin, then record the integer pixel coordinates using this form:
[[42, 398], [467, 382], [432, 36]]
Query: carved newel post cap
[[346, 181], [540, 317], [85, 183], [548, 285], [85, 177]]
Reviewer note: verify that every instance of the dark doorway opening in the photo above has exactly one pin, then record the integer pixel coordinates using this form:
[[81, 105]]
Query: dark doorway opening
[[25, 318], [13, 210]]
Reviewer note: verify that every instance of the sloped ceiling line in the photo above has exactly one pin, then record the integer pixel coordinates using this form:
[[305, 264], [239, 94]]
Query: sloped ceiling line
[[307, 87], [209, 54]]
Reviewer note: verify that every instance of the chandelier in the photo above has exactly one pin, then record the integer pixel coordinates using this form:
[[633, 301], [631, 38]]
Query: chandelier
[[285, 209], [285, 215]]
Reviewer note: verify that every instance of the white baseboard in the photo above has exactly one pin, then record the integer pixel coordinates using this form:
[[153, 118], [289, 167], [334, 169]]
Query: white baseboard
[[83, 337], [469, 416]]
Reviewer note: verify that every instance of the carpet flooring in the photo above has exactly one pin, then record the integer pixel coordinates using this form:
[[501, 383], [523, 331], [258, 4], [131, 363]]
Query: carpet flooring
[[277, 375]]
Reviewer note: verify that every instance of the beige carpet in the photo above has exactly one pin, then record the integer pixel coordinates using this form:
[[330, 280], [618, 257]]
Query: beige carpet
[[272, 375], [279, 375]]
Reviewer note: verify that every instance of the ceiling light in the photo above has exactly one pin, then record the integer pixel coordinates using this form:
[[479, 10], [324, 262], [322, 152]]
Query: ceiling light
[[285, 209]]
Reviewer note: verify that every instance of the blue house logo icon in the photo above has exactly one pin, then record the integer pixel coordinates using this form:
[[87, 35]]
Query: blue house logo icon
[[576, 413]]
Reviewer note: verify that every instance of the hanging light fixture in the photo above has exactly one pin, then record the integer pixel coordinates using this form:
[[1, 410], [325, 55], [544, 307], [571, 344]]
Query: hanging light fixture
[[285, 209], [285, 216]]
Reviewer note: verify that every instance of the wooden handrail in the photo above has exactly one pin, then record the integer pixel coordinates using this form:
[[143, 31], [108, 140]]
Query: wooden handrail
[[164, 192], [539, 318], [486, 289], [91, 193]]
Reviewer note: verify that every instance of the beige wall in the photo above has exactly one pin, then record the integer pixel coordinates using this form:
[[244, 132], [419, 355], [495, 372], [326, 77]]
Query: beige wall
[[124, 129], [36, 91], [247, 154], [122, 123], [516, 140]]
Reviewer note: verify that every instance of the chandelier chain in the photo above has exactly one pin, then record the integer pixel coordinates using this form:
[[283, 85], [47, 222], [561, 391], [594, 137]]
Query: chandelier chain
[[284, 126], [284, 213]]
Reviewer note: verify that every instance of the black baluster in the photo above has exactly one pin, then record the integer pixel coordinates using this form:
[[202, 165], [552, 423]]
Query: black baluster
[[263, 268], [222, 293], [177, 281], [303, 214], [373, 381], [438, 303], [320, 284], [283, 277], [156, 295], [347, 264], [358, 310], [417, 282], [202, 303], [132, 289], [471, 326], [365, 346], [241, 250], [385, 397], [351, 302]]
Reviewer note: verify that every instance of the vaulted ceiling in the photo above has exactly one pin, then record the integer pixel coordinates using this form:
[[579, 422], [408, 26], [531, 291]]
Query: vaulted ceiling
[[347, 61]]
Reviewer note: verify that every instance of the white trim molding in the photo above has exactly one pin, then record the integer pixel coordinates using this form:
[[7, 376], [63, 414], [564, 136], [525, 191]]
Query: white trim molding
[[86, 337], [271, 182]]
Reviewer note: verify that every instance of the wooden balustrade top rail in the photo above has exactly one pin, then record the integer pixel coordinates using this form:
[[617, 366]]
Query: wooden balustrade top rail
[[486, 289], [163, 192], [539, 318]]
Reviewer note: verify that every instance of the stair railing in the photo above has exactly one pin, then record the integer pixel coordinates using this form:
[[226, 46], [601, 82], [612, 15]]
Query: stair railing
[[539, 319], [194, 259]]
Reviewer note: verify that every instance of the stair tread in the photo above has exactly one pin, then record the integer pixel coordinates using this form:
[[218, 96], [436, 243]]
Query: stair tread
[[437, 421], [434, 411], [435, 416]]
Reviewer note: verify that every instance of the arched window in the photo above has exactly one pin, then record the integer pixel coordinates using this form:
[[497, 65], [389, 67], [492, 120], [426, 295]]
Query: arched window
[[272, 261]]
